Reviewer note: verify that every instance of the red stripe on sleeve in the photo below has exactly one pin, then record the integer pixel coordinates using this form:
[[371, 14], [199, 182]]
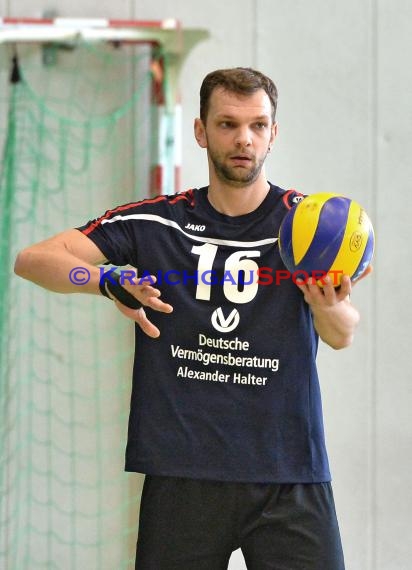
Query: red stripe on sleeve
[[184, 196]]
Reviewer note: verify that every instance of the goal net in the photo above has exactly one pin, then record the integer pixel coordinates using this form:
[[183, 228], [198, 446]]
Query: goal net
[[88, 121]]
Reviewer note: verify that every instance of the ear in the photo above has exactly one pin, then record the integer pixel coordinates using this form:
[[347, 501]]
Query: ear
[[200, 133], [273, 134]]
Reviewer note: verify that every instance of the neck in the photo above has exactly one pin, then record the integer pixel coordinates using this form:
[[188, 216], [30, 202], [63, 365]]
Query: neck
[[237, 201]]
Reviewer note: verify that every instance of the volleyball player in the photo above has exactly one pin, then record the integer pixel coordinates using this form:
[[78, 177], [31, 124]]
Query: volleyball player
[[225, 417]]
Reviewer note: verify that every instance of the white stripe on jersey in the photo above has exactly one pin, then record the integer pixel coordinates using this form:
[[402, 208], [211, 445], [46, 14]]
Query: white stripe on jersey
[[173, 224]]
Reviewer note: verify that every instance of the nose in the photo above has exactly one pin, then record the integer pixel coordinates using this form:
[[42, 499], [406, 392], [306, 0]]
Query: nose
[[243, 137]]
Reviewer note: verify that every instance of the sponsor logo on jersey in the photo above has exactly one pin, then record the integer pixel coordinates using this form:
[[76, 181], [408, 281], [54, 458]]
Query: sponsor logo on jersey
[[225, 324], [195, 227]]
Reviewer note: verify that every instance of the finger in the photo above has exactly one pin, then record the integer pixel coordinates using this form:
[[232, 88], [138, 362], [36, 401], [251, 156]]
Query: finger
[[143, 293], [314, 290], [147, 326], [158, 305], [367, 272], [302, 285], [146, 280], [139, 316], [310, 291], [345, 288], [142, 285], [147, 291], [329, 290]]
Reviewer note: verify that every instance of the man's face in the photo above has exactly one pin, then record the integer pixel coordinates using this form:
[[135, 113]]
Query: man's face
[[237, 135]]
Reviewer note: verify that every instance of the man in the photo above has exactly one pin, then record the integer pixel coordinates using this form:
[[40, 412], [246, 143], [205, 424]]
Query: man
[[225, 417]]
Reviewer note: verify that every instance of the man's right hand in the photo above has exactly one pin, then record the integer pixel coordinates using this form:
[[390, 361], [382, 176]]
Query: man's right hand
[[149, 296]]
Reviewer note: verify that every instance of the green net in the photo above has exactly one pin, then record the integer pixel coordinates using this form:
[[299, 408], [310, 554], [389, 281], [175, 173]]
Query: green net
[[77, 137]]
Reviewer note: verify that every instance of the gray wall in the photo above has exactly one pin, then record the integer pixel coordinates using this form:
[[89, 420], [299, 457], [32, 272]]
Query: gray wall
[[345, 121]]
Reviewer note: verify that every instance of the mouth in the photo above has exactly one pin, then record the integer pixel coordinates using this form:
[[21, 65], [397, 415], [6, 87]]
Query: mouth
[[241, 159]]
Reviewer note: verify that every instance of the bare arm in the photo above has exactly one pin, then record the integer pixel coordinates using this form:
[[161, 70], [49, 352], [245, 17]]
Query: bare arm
[[335, 318], [49, 264]]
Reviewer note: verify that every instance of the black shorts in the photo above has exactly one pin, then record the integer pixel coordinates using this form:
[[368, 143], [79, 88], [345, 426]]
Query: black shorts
[[188, 524]]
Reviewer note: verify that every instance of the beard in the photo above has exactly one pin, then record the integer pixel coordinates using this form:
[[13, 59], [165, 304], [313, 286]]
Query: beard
[[235, 175]]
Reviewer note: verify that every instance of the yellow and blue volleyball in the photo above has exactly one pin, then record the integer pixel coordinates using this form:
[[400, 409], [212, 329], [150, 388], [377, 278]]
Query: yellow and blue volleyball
[[326, 233]]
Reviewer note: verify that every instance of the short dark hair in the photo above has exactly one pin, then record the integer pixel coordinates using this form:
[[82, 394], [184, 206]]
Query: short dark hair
[[240, 80]]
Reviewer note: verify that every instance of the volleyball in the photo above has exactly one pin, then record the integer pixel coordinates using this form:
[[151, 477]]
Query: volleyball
[[326, 233]]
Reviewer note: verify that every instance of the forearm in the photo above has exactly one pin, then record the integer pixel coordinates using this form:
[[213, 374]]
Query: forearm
[[335, 318], [52, 270], [50, 264], [336, 324]]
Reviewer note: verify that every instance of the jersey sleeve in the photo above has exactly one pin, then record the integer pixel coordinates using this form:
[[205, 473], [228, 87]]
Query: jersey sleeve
[[120, 232], [292, 197], [113, 235]]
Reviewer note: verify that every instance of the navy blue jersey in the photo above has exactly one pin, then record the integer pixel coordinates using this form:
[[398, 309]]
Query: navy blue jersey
[[230, 390]]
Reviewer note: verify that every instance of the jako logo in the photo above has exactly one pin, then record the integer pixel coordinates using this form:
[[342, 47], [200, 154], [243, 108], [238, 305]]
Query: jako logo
[[194, 227]]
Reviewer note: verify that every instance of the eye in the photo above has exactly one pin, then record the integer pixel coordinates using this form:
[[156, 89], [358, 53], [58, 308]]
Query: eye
[[260, 125], [226, 124]]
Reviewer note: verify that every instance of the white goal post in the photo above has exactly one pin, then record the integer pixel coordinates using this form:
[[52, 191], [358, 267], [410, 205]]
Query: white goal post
[[175, 41]]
